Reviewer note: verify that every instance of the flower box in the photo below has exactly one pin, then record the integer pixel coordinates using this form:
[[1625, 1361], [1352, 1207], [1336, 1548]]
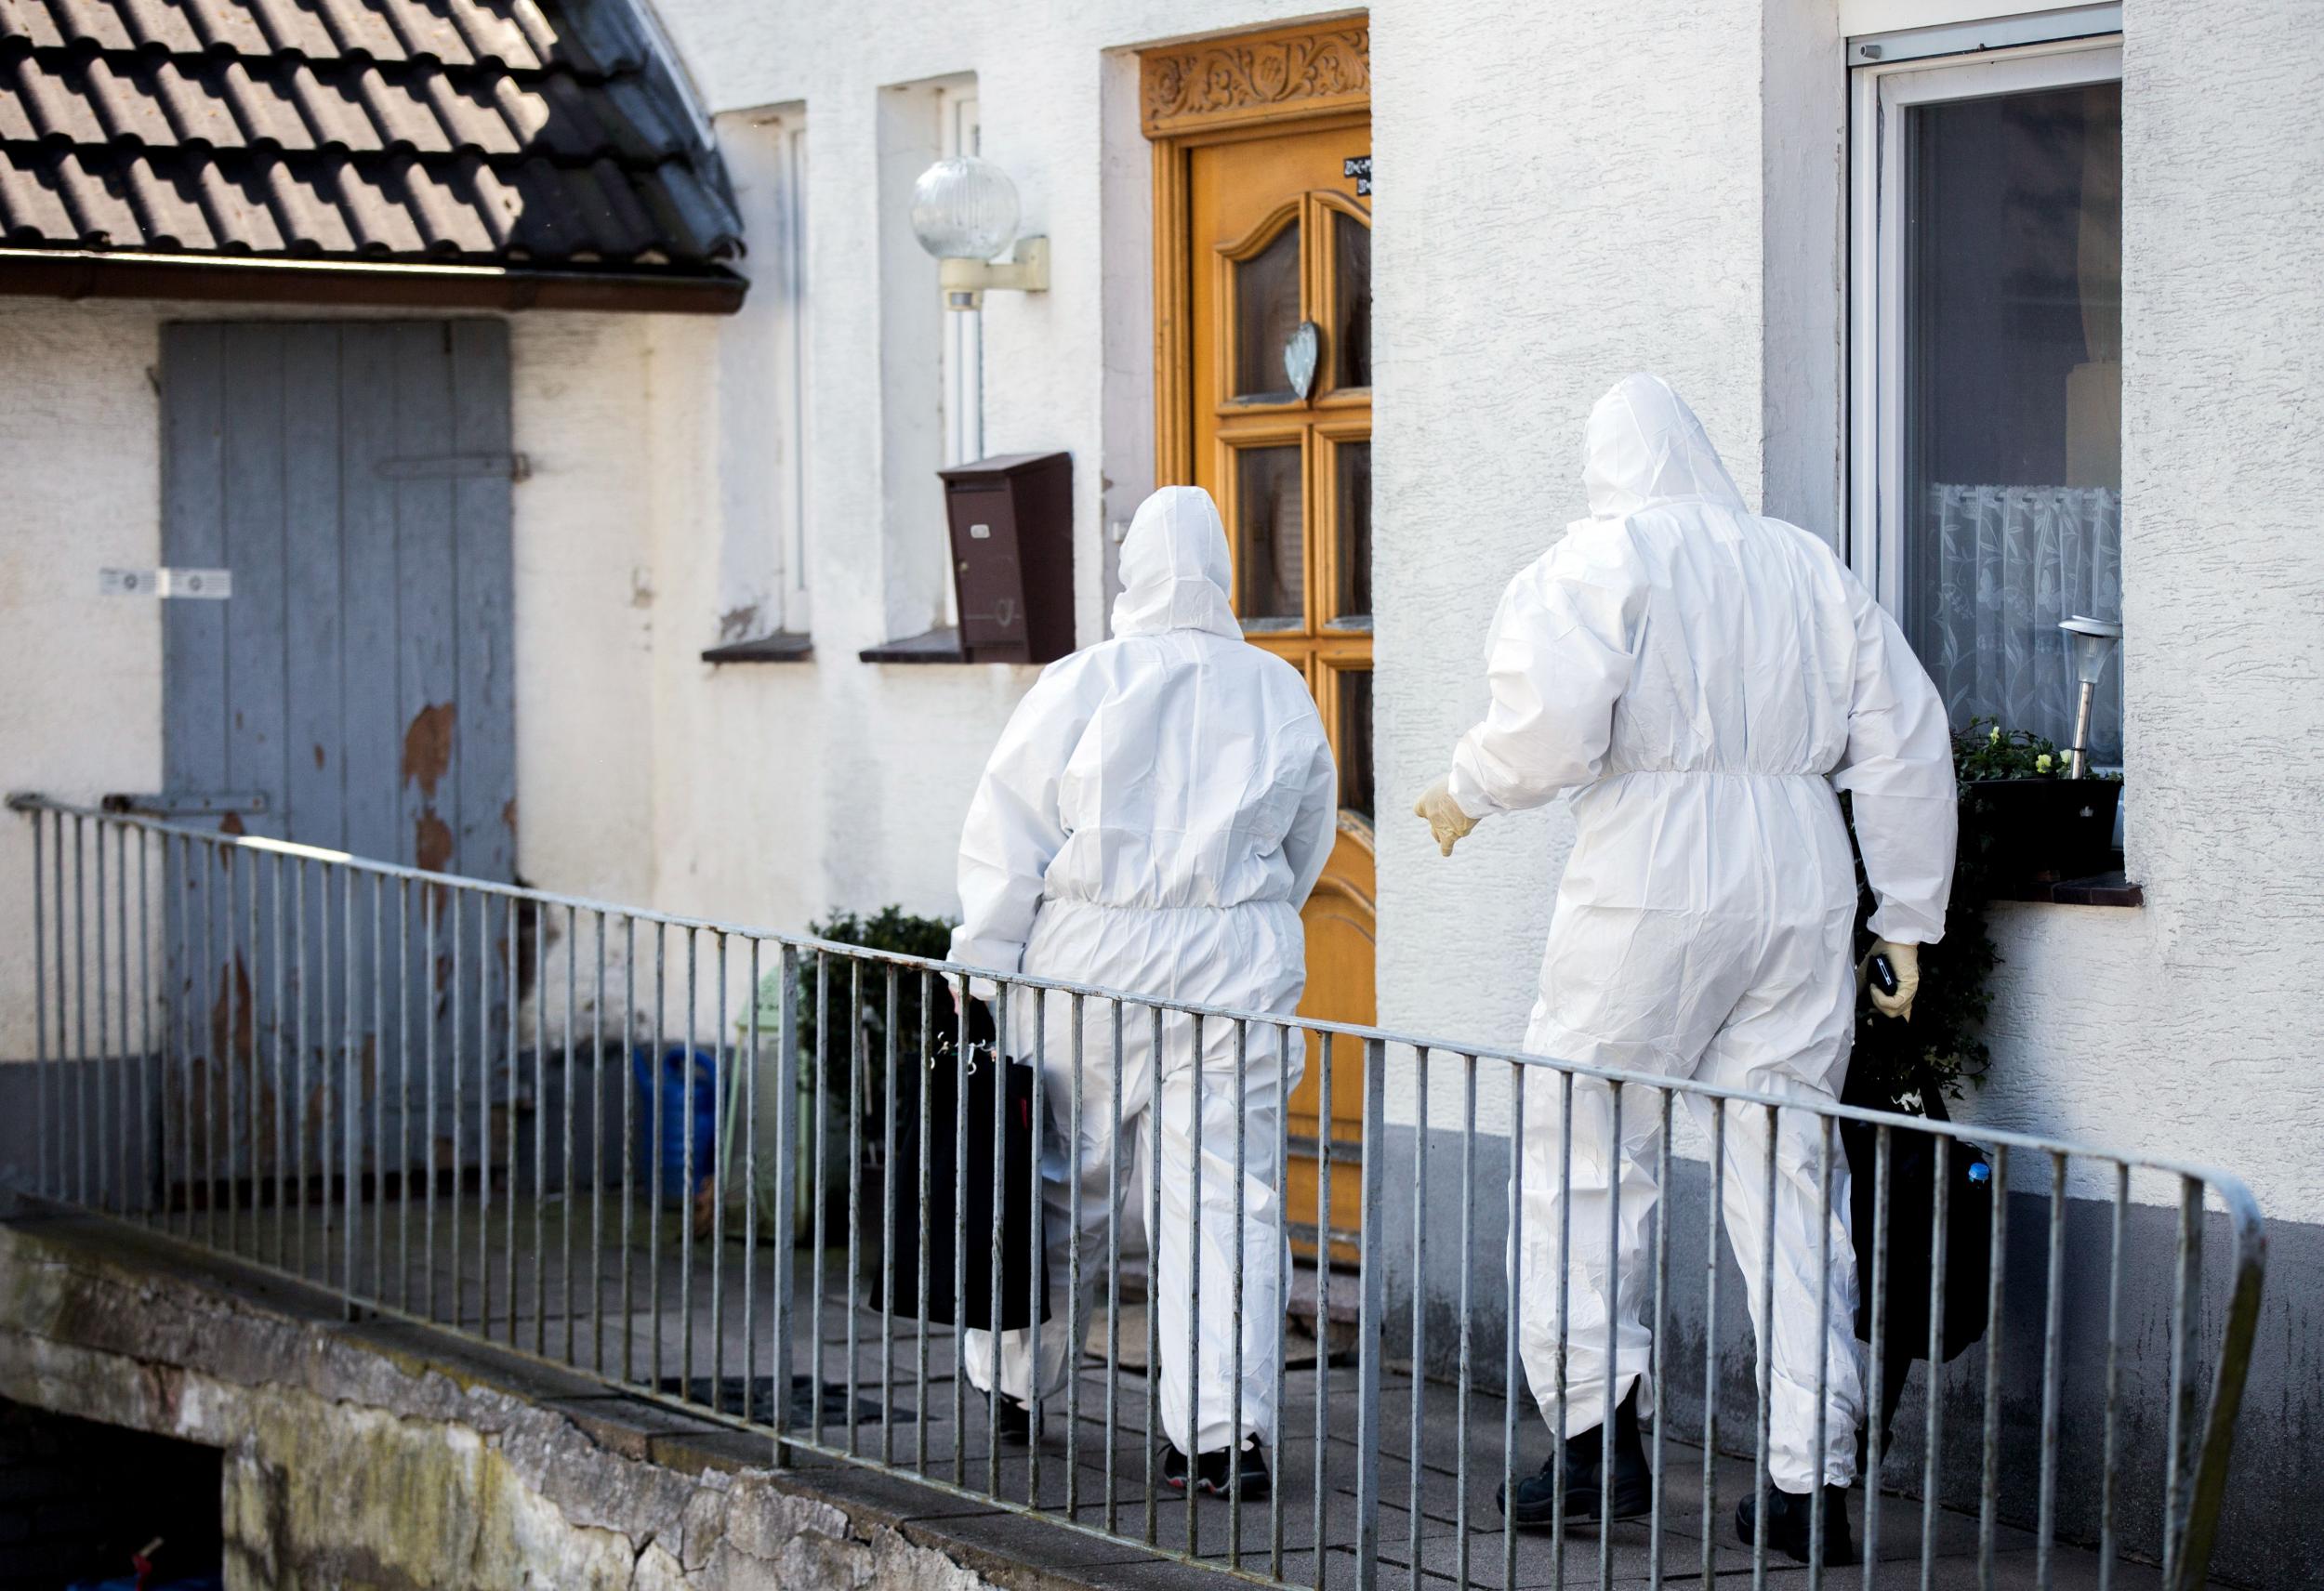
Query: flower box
[[2041, 830]]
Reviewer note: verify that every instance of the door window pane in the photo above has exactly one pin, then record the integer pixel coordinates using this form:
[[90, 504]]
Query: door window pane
[[1351, 295], [1266, 312], [1352, 465], [1270, 524], [2012, 382], [1356, 742]]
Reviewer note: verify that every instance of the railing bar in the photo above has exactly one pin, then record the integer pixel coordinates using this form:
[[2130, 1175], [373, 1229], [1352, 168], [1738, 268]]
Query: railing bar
[[888, 1240], [1940, 1196], [80, 1029], [750, 1197], [206, 1011], [1468, 1263], [854, 1183], [1116, 1148], [1193, 1449], [1322, 1296], [629, 1141], [1413, 1515], [597, 1155], [1371, 1315], [1876, 1385], [565, 1203], [1658, 1362], [783, 1275], [486, 964], [1714, 1218], [1565, 1288], [814, 1318], [457, 1033], [157, 1190], [427, 1138], [40, 1019], [1035, 1241], [2110, 1452], [962, 996], [1280, 1311], [1615, 1155], [515, 1068], [378, 1038], [1764, 1329], [721, 1125], [122, 993], [1236, 1294], [93, 1061], [1153, 1269], [688, 1110], [2052, 1330], [351, 1166], [2181, 1422], [1989, 1505], [657, 1190], [997, 1311], [924, 1072], [1815, 1522], [1075, 1336], [404, 1110]]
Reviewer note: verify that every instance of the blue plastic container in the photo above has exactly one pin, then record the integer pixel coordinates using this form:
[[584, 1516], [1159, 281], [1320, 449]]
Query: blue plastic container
[[671, 1077]]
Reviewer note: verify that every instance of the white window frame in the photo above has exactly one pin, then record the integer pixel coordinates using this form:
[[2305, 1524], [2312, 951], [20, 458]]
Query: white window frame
[[961, 133], [790, 244], [1880, 95]]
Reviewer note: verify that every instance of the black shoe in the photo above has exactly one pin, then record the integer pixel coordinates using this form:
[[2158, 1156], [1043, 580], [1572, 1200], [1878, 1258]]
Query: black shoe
[[1788, 1521], [1012, 1423], [1633, 1491], [1211, 1475]]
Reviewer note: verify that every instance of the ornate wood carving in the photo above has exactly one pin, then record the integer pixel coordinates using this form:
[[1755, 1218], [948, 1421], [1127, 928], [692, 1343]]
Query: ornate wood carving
[[1222, 82]]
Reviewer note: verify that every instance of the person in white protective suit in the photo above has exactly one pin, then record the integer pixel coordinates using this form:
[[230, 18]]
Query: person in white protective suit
[[1152, 820], [1703, 680]]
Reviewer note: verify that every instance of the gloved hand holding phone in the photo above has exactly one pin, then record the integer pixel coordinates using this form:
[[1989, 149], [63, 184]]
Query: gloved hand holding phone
[[1893, 972]]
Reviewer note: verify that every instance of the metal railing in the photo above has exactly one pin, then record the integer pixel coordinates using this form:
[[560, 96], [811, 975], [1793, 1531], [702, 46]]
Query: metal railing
[[450, 1100]]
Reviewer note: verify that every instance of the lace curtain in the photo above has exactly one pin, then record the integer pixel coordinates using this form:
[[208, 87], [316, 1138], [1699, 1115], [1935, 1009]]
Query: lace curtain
[[2009, 562]]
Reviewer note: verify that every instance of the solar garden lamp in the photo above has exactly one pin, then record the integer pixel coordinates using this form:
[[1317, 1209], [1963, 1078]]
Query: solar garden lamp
[[964, 212], [2094, 644]]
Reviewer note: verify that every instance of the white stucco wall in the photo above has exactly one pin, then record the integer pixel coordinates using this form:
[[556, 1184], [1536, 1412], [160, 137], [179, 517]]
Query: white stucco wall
[[80, 463], [1566, 193]]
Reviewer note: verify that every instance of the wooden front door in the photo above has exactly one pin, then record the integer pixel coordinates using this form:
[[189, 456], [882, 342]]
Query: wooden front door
[[1264, 398]]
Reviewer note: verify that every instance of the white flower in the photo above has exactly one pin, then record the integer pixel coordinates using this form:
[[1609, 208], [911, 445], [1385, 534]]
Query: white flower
[[2042, 763]]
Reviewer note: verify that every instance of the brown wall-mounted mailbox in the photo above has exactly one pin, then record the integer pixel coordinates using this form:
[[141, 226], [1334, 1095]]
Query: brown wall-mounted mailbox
[[1013, 556]]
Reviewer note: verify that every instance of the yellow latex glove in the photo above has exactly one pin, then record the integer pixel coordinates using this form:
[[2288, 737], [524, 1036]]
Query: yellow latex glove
[[1445, 819], [1906, 961]]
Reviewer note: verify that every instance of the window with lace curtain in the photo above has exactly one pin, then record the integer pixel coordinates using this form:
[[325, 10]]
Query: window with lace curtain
[[1987, 388]]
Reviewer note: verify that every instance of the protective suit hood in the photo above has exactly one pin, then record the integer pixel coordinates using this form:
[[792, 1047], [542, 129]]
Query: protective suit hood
[[1174, 567], [1645, 446]]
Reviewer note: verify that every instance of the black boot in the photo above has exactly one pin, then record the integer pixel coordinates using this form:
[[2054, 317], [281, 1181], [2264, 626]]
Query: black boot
[[1211, 1475], [1586, 1488], [1790, 1521], [1012, 1423]]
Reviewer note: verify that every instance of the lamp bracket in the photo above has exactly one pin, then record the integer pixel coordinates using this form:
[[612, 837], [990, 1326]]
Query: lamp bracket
[[965, 282]]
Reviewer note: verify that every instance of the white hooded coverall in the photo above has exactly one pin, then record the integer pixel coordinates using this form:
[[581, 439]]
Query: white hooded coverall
[[1702, 679], [1152, 820]]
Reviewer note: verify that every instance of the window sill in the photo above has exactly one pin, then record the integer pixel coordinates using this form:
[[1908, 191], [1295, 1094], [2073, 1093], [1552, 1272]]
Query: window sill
[[784, 645], [2101, 890], [936, 645]]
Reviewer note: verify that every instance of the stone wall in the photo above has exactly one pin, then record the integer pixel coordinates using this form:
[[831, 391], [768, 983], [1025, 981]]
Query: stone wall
[[375, 1455]]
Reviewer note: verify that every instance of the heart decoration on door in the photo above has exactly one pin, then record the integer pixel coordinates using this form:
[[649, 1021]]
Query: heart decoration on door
[[1299, 356]]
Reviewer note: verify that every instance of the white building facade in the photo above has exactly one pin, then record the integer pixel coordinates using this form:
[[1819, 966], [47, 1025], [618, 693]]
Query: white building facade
[[1565, 193]]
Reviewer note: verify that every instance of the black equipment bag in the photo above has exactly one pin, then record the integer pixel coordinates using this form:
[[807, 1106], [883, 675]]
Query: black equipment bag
[[1969, 1195], [959, 1210]]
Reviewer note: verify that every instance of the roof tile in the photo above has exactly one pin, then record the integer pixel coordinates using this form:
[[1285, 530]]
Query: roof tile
[[385, 128]]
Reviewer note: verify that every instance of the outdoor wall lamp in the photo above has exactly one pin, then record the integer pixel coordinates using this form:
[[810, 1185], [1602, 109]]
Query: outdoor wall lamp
[[2094, 642], [964, 212]]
